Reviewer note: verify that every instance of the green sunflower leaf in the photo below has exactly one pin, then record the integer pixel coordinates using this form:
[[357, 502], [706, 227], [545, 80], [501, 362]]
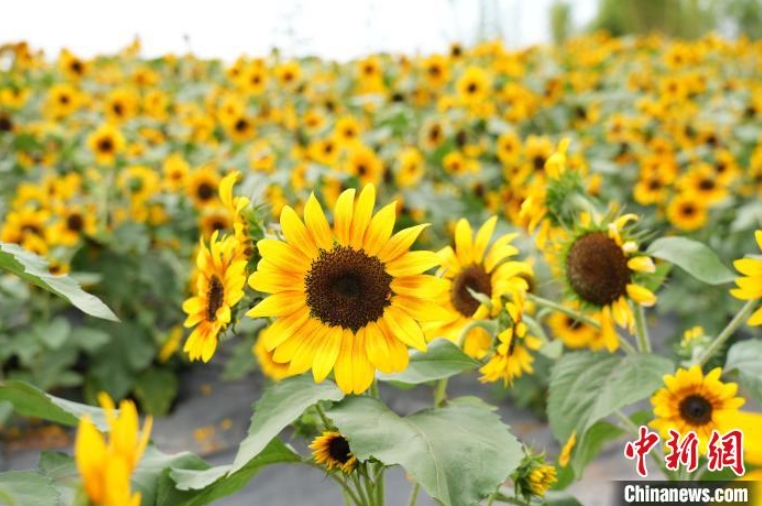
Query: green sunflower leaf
[[746, 358], [459, 453], [27, 487], [586, 387], [281, 404], [34, 269], [61, 470], [197, 487], [30, 401], [442, 360], [693, 257]]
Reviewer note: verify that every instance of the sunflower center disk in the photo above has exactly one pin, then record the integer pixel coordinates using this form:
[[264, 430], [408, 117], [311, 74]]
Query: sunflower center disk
[[338, 448], [597, 269], [347, 288], [215, 296], [696, 410], [471, 278]]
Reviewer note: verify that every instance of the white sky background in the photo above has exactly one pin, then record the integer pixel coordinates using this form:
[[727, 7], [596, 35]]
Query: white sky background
[[338, 29]]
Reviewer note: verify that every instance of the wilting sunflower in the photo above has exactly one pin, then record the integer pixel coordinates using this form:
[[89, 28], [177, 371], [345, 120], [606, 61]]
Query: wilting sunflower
[[332, 450], [603, 271], [219, 287], [348, 298], [512, 359], [474, 267], [750, 286], [690, 401]]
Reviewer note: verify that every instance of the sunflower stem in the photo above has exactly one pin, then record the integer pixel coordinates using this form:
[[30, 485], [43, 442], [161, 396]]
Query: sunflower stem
[[324, 418], [440, 393], [540, 301], [414, 494], [492, 498], [641, 329], [635, 431], [728, 331], [364, 498], [380, 496]]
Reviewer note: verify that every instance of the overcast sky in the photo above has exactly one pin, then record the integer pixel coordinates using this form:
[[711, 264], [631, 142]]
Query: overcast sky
[[339, 29]]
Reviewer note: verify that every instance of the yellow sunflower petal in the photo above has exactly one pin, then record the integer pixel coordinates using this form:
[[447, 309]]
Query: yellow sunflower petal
[[296, 233], [326, 354], [400, 243], [362, 216], [749, 266], [279, 304], [317, 224], [641, 295], [464, 245], [380, 229], [404, 328], [412, 263], [342, 216], [483, 237]]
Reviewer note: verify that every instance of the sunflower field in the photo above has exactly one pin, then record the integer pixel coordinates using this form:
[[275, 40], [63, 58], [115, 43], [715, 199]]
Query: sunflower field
[[573, 231]]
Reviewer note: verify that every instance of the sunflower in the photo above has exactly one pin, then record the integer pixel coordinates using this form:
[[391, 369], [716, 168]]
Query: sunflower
[[750, 286], [331, 449], [75, 222], [603, 271], [365, 164], [121, 104], [105, 143], [348, 299], [201, 186], [175, 170], [687, 212], [410, 167], [436, 71], [690, 401], [702, 181], [473, 86], [62, 101], [574, 334], [511, 358], [139, 182], [472, 267], [106, 465], [214, 219], [269, 367], [219, 287]]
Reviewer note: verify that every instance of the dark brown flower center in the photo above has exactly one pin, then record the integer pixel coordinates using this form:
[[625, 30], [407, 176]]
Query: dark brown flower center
[[205, 191], [241, 125], [6, 125], [689, 210], [539, 162], [472, 87], [215, 296], [75, 223], [596, 269], [696, 410], [472, 278], [339, 450], [706, 184], [105, 145], [347, 288]]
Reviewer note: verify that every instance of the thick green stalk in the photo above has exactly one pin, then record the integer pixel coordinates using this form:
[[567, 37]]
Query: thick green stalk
[[414, 494], [641, 328], [738, 320]]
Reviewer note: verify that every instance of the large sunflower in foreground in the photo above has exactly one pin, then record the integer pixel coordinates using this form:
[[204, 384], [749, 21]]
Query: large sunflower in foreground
[[691, 401], [347, 298], [219, 287], [473, 267]]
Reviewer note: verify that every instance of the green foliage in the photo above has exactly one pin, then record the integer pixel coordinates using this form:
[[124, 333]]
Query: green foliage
[[21, 488], [459, 453], [30, 401], [693, 257], [745, 357], [34, 269], [443, 359], [281, 404], [587, 387]]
